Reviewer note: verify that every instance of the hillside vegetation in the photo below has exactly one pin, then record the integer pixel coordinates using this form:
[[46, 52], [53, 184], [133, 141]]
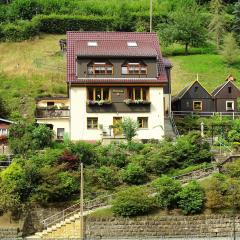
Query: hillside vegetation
[[30, 69]]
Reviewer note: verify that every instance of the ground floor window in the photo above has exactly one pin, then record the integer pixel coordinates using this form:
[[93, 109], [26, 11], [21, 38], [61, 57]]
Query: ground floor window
[[197, 105], [229, 105], [92, 123], [60, 133], [142, 122], [3, 131]]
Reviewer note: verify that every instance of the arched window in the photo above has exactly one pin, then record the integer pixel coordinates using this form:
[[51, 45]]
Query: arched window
[[100, 68], [134, 67]]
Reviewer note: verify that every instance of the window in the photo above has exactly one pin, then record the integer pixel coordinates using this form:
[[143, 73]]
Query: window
[[3, 132], [229, 89], [92, 123], [136, 68], [100, 68], [195, 89], [92, 44], [197, 105], [60, 133], [132, 44], [142, 122], [50, 104], [97, 94], [229, 105], [138, 93]]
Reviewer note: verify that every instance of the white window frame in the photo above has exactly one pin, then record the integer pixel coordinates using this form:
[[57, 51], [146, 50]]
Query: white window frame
[[232, 102], [3, 131]]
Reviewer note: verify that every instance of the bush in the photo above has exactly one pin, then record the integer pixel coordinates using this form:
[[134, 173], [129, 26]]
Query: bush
[[84, 152], [215, 191], [167, 192], [134, 174], [132, 202], [18, 31], [62, 23], [107, 177], [191, 198]]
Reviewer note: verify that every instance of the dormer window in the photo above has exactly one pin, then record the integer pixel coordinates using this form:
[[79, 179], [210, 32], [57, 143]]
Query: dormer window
[[135, 68], [100, 68]]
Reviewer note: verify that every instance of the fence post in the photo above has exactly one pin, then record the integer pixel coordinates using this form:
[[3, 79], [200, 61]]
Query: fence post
[[233, 115]]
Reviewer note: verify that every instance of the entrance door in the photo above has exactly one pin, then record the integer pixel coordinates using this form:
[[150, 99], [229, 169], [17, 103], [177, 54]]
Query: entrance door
[[116, 128]]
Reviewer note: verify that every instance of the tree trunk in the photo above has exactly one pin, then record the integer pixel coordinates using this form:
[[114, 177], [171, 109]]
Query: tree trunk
[[186, 48]]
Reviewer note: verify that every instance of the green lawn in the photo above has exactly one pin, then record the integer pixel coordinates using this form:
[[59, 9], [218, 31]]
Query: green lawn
[[211, 69]]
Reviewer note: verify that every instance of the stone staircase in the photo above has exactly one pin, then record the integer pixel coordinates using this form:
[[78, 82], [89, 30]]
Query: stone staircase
[[67, 222], [168, 128]]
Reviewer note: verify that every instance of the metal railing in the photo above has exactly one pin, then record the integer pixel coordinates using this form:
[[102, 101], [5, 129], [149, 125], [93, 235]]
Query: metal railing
[[52, 113], [206, 114], [75, 209], [174, 125]]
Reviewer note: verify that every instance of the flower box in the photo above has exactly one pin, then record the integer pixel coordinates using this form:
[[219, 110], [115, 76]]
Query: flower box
[[137, 102], [99, 103]]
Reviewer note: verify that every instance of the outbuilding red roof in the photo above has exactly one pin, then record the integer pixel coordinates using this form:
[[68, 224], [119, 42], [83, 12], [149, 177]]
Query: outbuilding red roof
[[113, 44]]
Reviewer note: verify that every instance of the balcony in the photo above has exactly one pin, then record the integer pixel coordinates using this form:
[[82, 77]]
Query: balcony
[[52, 113]]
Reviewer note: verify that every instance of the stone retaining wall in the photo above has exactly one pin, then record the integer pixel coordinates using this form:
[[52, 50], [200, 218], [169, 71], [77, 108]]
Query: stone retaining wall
[[179, 226]]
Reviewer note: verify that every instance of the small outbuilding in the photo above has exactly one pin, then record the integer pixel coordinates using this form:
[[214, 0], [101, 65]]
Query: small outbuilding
[[225, 97], [193, 98]]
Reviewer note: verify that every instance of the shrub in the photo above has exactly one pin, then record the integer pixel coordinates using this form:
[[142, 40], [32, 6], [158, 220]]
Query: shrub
[[107, 177], [84, 152], [191, 198], [215, 191], [62, 23], [19, 31], [69, 160], [134, 174], [132, 202], [167, 192], [232, 169], [129, 128]]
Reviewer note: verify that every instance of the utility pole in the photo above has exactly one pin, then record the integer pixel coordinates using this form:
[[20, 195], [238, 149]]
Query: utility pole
[[81, 204], [150, 15]]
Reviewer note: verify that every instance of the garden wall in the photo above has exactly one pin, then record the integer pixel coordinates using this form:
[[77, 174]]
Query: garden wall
[[201, 225]]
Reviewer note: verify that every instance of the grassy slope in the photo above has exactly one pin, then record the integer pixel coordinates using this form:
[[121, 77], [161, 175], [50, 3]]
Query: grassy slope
[[32, 68], [29, 69]]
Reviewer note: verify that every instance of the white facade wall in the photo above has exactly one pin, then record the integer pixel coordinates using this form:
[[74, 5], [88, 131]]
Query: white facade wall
[[57, 123], [57, 103], [78, 119]]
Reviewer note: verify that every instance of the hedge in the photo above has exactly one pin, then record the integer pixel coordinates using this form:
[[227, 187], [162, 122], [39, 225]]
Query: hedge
[[62, 23], [19, 31]]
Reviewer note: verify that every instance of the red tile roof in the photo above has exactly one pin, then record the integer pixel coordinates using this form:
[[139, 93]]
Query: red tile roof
[[113, 44]]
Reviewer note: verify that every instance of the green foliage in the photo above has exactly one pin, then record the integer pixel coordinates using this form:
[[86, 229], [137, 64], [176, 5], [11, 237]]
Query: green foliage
[[112, 154], [4, 112], [167, 190], [230, 50], [232, 169], [19, 31], [217, 25], [84, 152], [107, 177], [132, 202], [236, 13], [134, 174], [61, 23], [191, 198], [129, 128], [215, 192], [187, 29], [234, 133], [24, 137]]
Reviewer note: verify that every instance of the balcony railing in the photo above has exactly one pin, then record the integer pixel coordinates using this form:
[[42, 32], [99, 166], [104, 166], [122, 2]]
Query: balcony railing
[[51, 113]]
